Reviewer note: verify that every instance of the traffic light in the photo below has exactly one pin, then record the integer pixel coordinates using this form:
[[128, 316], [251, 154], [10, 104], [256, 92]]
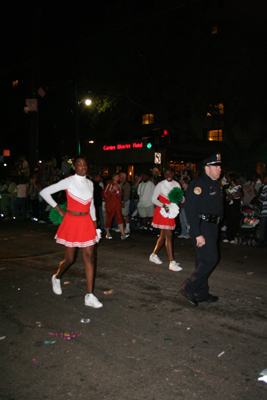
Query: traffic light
[[150, 142], [164, 133], [164, 139]]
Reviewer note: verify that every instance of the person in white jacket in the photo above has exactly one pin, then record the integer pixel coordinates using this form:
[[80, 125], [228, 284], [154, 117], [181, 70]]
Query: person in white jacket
[[78, 228], [145, 204], [167, 225]]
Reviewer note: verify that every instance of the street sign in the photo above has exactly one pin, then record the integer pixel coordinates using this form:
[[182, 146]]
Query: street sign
[[157, 158], [31, 104], [41, 92]]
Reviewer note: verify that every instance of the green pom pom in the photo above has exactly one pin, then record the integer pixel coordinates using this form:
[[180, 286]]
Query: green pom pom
[[54, 215], [176, 195]]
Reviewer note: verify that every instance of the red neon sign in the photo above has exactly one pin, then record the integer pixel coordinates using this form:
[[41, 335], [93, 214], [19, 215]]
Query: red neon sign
[[109, 147], [124, 146], [137, 145]]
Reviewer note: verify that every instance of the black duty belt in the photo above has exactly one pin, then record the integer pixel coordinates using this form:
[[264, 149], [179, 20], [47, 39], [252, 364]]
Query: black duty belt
[[214, 219]]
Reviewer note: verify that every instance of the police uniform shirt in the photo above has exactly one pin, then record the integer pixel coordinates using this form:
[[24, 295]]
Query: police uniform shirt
[[203, 195]]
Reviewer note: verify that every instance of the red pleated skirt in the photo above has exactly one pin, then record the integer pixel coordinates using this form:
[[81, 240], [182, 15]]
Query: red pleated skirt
[[158, 220], [76, 231]]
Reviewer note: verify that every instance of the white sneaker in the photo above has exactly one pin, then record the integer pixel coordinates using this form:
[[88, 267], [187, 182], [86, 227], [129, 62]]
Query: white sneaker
[[108, 236], [232, 242], [123, 237], [127, 230], [174, 266], [56, 285], [91, 301], [116, 229], [155, 259], [225, 241]]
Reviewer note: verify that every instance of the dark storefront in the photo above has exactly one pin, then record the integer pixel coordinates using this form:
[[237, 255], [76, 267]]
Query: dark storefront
[[132, 156]]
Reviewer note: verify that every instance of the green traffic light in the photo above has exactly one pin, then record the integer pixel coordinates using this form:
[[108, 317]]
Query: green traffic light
[[149, 145]]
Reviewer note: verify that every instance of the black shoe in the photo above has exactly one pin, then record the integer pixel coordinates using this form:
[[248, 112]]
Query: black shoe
[[192, 301], [209, 299]]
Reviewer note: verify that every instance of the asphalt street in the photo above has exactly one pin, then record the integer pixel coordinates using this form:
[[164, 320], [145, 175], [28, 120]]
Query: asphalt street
[[146, 342]]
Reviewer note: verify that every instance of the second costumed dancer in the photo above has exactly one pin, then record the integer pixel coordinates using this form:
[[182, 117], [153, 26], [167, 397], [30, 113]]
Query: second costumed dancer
[[78, 228], [164, 217]]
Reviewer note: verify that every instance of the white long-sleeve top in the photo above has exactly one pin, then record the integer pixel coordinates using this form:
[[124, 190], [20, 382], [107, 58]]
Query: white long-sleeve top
[[163, 187], [145, 192], [79, 188]]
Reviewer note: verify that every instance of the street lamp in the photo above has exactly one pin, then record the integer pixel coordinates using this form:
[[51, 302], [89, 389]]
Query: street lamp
[[87, 102]]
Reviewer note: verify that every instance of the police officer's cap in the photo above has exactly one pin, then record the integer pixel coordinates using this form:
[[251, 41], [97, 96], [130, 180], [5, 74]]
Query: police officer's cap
[[215, 159]]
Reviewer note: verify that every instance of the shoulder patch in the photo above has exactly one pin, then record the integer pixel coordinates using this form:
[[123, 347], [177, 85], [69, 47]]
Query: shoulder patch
[[197, 190]]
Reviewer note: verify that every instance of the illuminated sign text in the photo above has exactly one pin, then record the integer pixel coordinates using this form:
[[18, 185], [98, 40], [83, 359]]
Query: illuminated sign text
[[124, 146]]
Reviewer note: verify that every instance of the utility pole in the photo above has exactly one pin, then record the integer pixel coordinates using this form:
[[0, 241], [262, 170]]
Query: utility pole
[[35, 78], [78, 145]]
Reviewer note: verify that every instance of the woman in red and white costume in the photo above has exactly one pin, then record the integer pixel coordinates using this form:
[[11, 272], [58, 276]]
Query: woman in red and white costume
[[167, 225], [78, 228]]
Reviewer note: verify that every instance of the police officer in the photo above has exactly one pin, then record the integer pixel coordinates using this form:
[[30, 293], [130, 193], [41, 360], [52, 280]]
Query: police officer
[[204, 209]]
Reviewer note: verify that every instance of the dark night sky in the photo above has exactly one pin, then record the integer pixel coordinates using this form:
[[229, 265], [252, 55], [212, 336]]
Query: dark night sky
[[60, 25], [52, 31], [54, 27], [102, 43]]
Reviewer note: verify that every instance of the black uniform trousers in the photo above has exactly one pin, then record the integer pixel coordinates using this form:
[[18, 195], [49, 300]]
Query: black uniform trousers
[[205, 262]]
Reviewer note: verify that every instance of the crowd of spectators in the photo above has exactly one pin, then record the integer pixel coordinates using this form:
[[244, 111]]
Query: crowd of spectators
[[20, 195], [20, 192], [237, 191]]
